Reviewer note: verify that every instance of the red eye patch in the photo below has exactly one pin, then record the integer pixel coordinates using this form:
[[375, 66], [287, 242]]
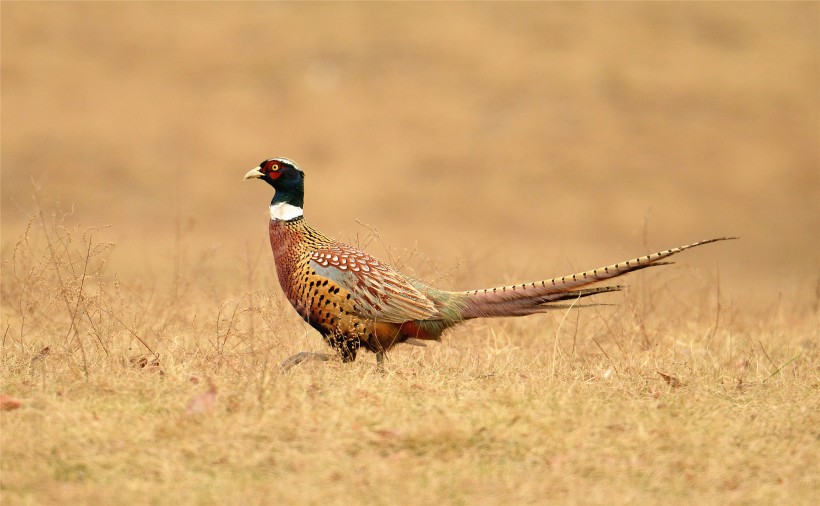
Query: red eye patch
[[272, 169]]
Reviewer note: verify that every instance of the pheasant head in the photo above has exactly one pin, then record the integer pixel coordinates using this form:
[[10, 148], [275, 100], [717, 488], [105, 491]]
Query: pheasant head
[[288, 181]]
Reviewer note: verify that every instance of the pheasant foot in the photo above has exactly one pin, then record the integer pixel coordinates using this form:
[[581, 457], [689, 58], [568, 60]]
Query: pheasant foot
[[304, 356]]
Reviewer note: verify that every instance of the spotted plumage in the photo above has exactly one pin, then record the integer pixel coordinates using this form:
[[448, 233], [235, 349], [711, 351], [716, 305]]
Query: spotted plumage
[[356, 301]]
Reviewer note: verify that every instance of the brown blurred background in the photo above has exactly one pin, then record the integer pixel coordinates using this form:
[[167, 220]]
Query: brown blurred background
[[502, 141]]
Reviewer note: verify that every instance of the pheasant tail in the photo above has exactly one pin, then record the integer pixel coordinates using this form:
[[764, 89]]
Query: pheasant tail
[[536, 297]]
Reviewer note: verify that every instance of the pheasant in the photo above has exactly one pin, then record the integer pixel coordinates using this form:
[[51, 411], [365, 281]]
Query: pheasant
[[357, 301]]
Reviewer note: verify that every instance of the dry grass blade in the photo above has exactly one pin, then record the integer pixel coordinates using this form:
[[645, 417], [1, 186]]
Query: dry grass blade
[[777, 371]]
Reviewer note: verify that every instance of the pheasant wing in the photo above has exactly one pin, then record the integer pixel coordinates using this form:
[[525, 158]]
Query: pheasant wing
[[380, 293]]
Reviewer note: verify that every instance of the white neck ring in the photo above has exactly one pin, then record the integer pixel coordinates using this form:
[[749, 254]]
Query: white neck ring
[[285, 212]]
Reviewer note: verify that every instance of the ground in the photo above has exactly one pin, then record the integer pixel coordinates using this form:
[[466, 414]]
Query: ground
[[470, 146]]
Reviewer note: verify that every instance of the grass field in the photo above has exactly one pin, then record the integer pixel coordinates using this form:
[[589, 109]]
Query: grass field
[[162, 395], [469, 145]]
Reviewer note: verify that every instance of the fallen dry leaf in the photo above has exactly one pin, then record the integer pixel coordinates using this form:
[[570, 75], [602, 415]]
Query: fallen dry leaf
[[671, 380], [41, 354], [388, 433], [147, 364], [204, 402], [7, 402], [742, 363]]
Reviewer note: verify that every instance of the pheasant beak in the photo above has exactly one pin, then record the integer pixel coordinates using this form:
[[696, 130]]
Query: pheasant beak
[[255, 173]]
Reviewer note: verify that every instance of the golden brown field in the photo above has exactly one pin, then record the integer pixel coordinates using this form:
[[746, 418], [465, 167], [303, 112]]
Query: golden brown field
[[471, 145]]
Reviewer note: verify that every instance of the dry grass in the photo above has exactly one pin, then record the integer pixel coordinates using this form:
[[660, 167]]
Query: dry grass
[[686, 402], [488, 144]]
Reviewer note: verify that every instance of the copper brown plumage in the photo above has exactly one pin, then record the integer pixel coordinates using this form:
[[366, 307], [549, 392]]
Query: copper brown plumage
[[356, 301]]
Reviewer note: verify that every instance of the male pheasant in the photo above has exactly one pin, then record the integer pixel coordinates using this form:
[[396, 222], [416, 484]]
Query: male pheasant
[[354, 300]]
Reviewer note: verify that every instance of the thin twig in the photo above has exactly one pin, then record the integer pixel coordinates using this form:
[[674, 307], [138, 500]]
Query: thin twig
[[133, 333], [79, 296], [766, 354], [556, 346], [605, 354], [53, 254], [717, 309]]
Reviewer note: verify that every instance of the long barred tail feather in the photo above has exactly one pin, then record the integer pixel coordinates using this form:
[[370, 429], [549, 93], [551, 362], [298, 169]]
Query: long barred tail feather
[[535, 297], [524, 308]]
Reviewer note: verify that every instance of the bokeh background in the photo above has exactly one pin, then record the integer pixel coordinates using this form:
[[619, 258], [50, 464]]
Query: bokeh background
[[501, 141]]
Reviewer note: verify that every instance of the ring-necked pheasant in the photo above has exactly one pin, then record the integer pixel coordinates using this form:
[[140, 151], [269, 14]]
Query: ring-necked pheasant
[[354, 300]]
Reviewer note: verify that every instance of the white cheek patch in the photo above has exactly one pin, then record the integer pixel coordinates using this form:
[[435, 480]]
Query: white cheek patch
[[285, 212]]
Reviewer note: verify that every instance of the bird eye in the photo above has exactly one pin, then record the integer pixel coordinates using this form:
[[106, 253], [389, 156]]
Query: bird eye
[[274, 167]]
